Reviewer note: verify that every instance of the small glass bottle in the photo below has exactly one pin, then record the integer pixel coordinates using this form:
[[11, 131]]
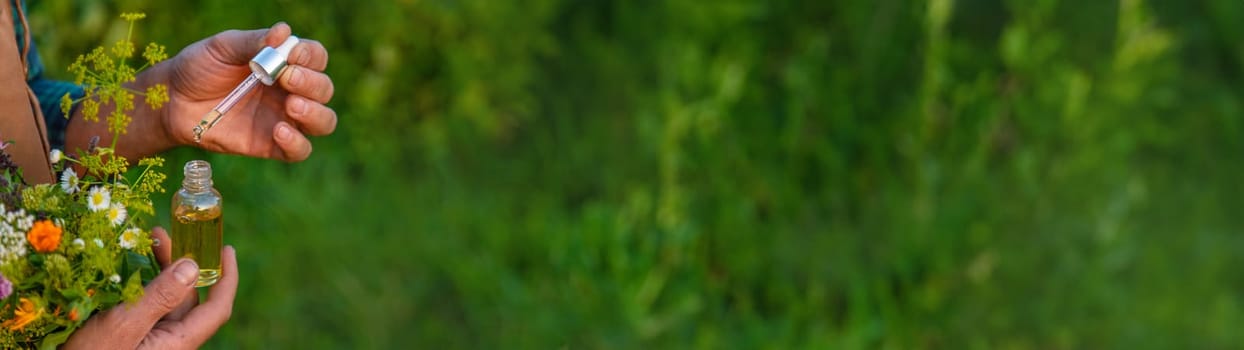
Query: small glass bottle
[[197, 222]]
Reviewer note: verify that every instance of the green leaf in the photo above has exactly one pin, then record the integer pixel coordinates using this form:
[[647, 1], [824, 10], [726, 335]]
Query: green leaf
[[152, 269], [35, 279], [73, 293], [133, 287], [107, 299], [51, 341], [85, 308], [135, 262]]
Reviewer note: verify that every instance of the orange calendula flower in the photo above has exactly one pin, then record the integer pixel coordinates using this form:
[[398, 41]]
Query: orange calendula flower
[[24, 315], [44, 236]]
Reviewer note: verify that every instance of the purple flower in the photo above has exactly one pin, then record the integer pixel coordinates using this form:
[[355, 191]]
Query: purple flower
[[6, 287]]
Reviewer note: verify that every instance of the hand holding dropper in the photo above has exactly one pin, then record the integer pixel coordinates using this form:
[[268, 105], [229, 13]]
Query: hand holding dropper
[[266, 67]]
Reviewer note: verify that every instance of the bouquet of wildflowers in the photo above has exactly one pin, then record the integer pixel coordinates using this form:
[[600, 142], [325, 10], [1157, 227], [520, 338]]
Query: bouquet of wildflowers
[[70, 249]]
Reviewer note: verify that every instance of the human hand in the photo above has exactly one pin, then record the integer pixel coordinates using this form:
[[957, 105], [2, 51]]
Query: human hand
[[271, 121], [168, 315]]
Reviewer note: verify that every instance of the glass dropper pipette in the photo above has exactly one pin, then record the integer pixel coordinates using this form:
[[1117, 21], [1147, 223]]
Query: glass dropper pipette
[[223, 107], [265, 68]]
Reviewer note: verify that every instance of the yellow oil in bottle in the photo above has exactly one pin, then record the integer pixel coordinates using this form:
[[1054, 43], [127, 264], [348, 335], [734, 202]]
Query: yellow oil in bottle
[[198, 232], [198, 235]]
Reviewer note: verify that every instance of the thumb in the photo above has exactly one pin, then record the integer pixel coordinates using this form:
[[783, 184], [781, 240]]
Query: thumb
[[126, 326], [167, 291], [237, 47]]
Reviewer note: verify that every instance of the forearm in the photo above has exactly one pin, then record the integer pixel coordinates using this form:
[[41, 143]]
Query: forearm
[[146, 134]]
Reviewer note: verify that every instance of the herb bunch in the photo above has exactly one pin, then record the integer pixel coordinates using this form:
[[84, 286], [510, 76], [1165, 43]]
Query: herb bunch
[[70, 249]]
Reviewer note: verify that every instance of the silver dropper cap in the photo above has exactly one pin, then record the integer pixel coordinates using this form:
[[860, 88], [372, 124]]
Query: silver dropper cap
[[270, 62]]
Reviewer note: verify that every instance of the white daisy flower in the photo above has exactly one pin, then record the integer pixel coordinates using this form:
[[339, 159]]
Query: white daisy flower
[[55, 156], [99, 199], [129, 238], [78, 242], [115, 278], [116, 214], [69, 181], [99, 243]]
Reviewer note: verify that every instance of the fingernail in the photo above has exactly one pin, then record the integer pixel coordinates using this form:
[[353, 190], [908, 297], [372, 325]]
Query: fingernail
[[155, 242], [186, 272], [300, 106], [295, 76], [283, 133], [304, 54]]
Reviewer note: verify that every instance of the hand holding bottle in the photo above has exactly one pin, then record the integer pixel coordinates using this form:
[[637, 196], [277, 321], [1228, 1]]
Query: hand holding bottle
[[198, 221], [169, 315]]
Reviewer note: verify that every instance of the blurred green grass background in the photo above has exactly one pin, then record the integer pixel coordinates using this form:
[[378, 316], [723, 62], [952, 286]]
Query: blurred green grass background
[[737, 174]]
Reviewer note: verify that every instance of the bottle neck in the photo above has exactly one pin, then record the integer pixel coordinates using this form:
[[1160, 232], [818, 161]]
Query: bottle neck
[[198, 176]]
